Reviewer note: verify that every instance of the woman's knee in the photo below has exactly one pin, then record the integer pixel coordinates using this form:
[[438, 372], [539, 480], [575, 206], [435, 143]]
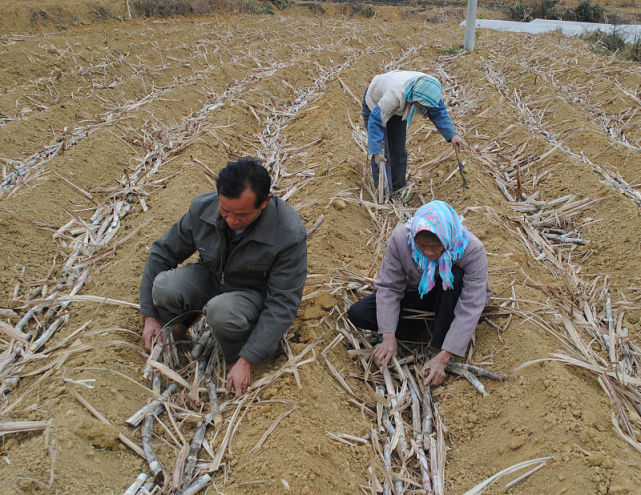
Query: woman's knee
[[363, 314]]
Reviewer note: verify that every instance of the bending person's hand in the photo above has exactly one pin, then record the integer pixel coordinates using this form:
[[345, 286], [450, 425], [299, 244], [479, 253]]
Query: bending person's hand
[[434, 370], [239, 377], [151, 330], [457, 143], [379, 159], [386, 350]]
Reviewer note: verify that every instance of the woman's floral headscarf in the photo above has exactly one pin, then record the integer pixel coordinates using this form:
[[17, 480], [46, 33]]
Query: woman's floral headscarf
[[439, 218]]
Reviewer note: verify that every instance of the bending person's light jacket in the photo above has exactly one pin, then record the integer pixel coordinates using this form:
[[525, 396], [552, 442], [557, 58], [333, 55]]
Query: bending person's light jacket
[[384, 97], [399, 273]]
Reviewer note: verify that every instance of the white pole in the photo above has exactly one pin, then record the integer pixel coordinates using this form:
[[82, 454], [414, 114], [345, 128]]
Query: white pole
[[470, 25]]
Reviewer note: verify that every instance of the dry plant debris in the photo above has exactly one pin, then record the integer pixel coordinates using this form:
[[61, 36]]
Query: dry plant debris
[[109, 130]]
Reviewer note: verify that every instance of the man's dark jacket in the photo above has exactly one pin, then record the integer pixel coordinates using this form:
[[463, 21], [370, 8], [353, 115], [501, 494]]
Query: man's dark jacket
[[270, 258]]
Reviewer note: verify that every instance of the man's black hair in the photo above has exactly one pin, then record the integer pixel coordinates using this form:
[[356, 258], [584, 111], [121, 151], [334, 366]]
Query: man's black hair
[[247, 172]]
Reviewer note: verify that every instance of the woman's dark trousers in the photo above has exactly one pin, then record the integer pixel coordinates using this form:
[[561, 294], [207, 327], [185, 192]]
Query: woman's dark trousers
[[440, 302]]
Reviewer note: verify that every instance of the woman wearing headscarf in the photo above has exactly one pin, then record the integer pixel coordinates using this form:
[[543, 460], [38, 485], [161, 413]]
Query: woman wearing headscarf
[[432, 263], [389, 104]]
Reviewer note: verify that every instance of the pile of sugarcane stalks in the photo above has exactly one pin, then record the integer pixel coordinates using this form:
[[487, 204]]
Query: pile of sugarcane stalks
[[192, 398]]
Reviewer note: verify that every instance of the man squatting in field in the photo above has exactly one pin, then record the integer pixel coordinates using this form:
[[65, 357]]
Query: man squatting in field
[[389, 104], [248, 281], [432, 263]]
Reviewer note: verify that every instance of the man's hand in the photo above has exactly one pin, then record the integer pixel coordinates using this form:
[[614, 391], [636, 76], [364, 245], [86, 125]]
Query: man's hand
[[239, 377], [380, 160], [386, 350], [152, 329], [436, 368], [457, 143]]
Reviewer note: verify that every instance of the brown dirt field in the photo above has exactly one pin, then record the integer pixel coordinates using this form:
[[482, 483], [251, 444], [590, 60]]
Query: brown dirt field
[[215, 87]]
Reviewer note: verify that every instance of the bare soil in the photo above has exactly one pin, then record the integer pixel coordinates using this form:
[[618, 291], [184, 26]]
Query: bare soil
[[551, 98]]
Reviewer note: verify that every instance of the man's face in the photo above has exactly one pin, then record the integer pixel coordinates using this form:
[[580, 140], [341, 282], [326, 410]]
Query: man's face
[[240, 212]]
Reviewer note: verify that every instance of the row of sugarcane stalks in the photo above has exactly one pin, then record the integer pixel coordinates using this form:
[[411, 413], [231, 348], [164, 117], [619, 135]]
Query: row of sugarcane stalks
[[534, 121], [590, 326], [19, 172], [408, 435], [579, 313], [205, 354], [413, 462], [191, 392]]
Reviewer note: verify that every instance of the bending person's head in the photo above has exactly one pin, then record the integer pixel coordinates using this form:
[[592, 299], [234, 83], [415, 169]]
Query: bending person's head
[[438, 238], [423, 93], [243, 192]]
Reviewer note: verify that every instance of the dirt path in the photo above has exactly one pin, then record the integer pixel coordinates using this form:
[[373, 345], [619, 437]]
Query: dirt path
[[101, 116]]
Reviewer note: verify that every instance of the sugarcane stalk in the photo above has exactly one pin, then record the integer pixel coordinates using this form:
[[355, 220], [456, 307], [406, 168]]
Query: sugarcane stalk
[[156, 383], [394, 434], [399, 489], [436, 477], [192, 457], [179, 468], [428, 417], [135, 486], [48, 333], [197, 485], [381, 182], [425, 471], [387, 461], [139, 415], [380, 390], [477, 370], [215, 413], [211, 364], [473, 379], [153, 356], [205, 354], [416, 406], [25, 319], [198, 347], [399, 437], [147, 447], [170, 355], [147, 489]]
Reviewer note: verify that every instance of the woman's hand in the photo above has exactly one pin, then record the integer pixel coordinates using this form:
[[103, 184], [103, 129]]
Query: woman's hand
[[380, 160], [434, 370], [457, 143], [386, 350]]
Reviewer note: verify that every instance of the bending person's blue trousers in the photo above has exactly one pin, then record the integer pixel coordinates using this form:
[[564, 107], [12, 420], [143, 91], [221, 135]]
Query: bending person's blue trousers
[[395, 152]]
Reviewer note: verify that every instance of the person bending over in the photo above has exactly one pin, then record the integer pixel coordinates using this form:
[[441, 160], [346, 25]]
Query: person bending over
[[389, 104]]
